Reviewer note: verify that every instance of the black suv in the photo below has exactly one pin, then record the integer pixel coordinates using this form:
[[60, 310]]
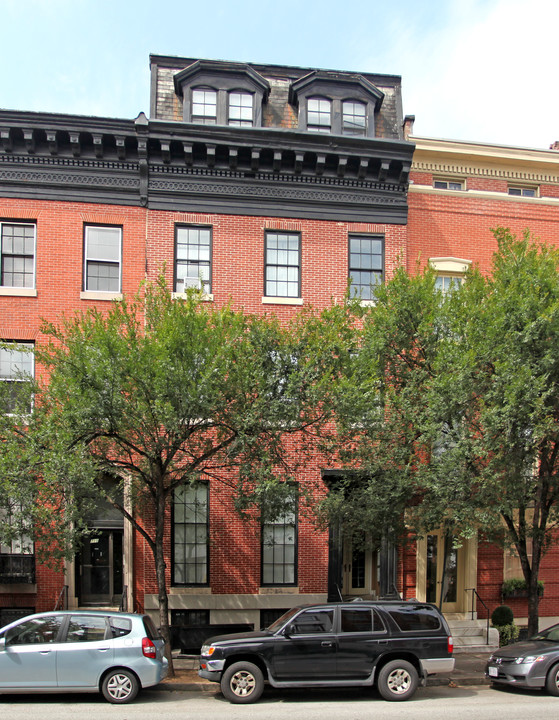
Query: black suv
[[393, 645]]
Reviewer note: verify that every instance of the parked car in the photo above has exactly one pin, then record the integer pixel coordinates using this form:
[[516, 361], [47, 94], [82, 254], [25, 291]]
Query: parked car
[[114, 653], [392, 645], [530, 664]]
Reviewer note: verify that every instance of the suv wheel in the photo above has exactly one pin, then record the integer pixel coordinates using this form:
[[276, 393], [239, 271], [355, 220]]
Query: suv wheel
[[242, 682], [120, 686], [397, 680]]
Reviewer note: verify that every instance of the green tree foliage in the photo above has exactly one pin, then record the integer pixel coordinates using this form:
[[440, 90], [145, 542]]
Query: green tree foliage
[[159, 393], [450, 411]]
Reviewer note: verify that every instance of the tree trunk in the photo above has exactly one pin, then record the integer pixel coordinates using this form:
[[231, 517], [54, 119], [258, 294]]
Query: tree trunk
[[160, 567]]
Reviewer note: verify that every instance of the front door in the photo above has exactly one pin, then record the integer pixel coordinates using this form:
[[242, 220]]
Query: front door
[[360, 574], [100, 568], [444, 572]]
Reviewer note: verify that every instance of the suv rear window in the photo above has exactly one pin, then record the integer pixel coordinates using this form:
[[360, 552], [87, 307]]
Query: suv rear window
[[360, 620], [415, 618]]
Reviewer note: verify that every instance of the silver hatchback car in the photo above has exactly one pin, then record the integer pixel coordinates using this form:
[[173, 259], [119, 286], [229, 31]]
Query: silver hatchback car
[[114, 653]]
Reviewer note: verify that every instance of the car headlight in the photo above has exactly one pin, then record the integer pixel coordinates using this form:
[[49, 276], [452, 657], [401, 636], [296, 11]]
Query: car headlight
[[529, 659], [207, 650]]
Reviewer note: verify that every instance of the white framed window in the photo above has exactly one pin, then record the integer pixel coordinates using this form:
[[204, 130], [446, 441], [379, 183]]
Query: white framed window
[[102, 258], [450, 272], [319, 115], [354, 118], [193, 258], [204, 106], [283, 265], [521, 191], [241, 109], [17, 254], [17, 364], [448, 184]]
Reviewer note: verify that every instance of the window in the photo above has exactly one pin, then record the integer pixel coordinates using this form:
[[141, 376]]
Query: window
[[365, 265], [448, 184], [240, 109], [16, 366], [17, 560], [360, 620], [193, 258], [204, 106], [17, 255], [354, 118], [319, 115], [311, 622], [279, 550], [190, 535], [190, 618], [447, 283], [283, 258], [102, 258], [35, 632], [84, 628], [523, 191]]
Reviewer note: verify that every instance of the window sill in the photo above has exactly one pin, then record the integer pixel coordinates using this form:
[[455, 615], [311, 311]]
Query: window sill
[[206, 297], [91, 295], [278, 590], [267, 300], [18, 291]]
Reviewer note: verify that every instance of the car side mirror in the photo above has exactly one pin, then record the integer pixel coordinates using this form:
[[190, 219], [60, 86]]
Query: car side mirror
[[290, 629]]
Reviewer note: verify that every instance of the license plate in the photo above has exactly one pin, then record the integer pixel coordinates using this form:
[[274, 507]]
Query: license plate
[[493, 672]]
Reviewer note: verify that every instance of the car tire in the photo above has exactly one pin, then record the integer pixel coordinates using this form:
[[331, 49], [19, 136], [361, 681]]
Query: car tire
[[120, 686], [397, 680], [552, 680], [242, 682]]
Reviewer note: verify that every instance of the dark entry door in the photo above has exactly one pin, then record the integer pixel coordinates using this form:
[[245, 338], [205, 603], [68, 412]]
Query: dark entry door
[[101, 568]]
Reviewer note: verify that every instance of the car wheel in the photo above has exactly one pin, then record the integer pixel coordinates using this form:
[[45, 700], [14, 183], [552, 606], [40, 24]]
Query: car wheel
[[397, 680], [552, 680], [120, 686], [242, 682]]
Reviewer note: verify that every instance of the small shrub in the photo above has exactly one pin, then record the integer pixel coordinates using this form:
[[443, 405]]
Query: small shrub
[[502, 616], [518, 585], [507, 634]]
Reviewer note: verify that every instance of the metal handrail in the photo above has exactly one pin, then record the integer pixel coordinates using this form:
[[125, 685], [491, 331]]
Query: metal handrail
[[62, 599], [475, 592]]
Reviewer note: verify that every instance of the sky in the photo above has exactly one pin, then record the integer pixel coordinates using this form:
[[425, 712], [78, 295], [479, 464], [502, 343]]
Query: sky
[[477, 70]]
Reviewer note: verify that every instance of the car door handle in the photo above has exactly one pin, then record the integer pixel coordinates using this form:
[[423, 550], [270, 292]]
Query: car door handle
[[383, 642], [326, 643], [45, 652]]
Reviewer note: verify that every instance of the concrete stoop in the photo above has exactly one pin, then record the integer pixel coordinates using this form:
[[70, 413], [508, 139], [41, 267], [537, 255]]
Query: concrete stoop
[[471, 636]]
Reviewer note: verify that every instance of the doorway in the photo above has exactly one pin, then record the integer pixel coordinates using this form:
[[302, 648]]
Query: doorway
[[360, 572], [99, 568]]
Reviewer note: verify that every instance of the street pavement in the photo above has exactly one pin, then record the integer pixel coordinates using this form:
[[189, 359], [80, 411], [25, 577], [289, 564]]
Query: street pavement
[[468, 670]]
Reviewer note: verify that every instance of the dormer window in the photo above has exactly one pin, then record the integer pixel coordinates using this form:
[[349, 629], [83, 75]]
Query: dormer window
[[319, 115], [204, 106], [216, 93], [241, 109], [354, 118]]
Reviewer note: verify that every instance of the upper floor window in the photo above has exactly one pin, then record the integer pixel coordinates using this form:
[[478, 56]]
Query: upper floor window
[[241, 109], [448, 184], [523, 191], [279, 550], [204, 106], [17, 250], [102, 258], [447, 283], [16, 365], [354, 118], [319, 115], [190, 535], [193, 258], [283, 265], [366, 258]]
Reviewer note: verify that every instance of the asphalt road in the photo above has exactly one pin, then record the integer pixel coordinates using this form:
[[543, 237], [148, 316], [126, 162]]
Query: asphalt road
[[435, 703]]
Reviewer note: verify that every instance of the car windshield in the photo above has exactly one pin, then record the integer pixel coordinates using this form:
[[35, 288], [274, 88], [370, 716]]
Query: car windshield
[[283, 619], [550, 633]]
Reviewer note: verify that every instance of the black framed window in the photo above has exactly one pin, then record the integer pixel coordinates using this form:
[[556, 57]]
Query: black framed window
[[319, 114], [190, 535], [102, 258], [193, 258], [283, 265], [241, 109], [279, 550], [204, 106], [354, 118], [366, 265], [17, 249], [17, 364]]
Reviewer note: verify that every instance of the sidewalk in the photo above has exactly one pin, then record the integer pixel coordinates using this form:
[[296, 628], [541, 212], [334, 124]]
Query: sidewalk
[[468, 670]]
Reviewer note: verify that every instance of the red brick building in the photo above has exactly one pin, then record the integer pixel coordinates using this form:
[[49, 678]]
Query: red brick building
[[270, 186]]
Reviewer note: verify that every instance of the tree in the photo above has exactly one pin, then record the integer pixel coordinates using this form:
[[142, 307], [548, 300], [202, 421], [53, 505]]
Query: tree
[[158, 394], [464, 433]]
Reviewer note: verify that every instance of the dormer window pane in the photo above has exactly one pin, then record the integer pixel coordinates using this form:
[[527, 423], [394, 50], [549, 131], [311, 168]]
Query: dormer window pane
[[354, 119], [240, 109], [204, 106], [319, 115]]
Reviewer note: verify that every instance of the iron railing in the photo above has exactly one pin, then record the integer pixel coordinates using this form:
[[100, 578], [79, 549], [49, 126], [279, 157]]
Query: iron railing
[[474, 595], [62, 599]]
